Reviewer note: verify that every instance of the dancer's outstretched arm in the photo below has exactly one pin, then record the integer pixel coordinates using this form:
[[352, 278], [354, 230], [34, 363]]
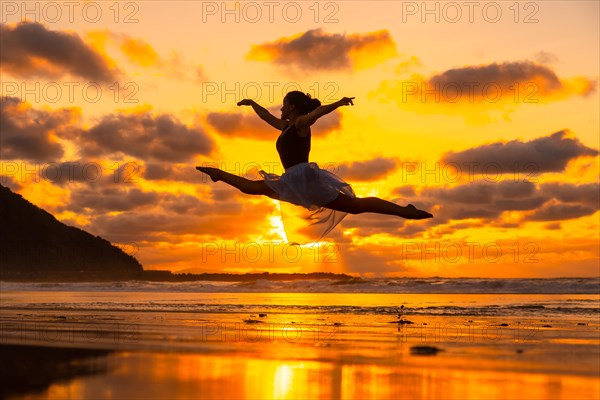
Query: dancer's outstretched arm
[[307, 120], [263, 113]]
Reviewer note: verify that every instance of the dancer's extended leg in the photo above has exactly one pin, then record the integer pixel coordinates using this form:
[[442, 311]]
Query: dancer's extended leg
[[244, 185], [375, 205]]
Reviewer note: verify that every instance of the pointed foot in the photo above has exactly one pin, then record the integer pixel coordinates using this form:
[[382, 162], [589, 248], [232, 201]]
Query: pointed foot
[[214, 173], [414, 213]]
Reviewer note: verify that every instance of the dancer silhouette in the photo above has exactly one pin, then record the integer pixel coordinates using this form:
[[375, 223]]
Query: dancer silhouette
[[303, 183]]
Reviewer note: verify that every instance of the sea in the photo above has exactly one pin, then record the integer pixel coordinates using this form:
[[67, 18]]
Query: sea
[[554, 297]]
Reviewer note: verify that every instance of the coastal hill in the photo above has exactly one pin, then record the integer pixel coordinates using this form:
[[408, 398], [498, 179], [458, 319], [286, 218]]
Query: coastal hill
[[35, 246]]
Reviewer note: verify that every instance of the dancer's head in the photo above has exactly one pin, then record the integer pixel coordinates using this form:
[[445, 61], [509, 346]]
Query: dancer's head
[[298, 102]]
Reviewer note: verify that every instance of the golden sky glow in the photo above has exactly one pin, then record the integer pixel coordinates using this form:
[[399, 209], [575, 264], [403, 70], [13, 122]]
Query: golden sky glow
[[488, 120]]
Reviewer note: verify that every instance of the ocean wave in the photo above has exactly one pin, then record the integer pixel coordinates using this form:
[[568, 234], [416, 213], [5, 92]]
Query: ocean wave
[[366, 285]]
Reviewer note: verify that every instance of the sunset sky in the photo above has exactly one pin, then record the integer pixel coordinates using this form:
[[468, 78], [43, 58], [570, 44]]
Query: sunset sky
[[485, 115]]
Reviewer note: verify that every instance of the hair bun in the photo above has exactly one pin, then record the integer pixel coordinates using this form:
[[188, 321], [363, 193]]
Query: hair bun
[[303, 101], [314, 103]]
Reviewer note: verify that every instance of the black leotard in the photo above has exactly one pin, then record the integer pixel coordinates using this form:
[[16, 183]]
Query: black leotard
[[292, 149]]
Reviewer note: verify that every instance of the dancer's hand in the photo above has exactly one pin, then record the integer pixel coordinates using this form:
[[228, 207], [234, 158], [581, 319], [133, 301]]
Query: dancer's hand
[[245, 102], [346, 101]]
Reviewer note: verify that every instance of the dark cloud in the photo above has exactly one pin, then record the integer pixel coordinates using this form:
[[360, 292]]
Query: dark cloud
[[144, 136], [317, 50], [93, 174], [33, 135], [506, 75], [546, 154], [154, 171], [28, 50], [195, 205], [476, 91], [553, 226], [488, 200], [520, 204], [224, 193], [126, 213], [568, 201], [27, 133], [495, 196], [72, 171], [169, 217], [586, 193], [512, 189], [109, 199], [369, 170], [560, 211], [371, 224], [476, 193], [466, 200], [454, 212], [237, 125], [164, 227], [147, 226], [405, 191], [228, 123], [107, 196]]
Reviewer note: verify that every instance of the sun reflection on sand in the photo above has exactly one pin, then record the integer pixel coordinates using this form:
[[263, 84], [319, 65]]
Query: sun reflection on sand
[[282, 382], [235, 375]]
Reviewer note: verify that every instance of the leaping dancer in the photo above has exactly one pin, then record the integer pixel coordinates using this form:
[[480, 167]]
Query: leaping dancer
[[303, 183]]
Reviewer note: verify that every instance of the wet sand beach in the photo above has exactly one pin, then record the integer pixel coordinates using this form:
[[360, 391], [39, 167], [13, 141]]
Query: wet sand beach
[[311, 347]]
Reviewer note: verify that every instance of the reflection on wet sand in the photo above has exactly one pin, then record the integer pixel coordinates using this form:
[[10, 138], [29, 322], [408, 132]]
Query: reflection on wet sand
[[287, 372]]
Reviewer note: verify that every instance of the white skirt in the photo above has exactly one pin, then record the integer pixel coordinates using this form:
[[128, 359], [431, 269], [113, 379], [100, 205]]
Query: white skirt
[[311, 187]]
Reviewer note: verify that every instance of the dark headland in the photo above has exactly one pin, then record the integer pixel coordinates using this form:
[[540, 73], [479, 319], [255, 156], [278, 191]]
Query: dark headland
[[35, 246]]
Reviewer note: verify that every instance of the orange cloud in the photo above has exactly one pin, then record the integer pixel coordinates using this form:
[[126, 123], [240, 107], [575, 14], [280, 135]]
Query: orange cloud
[[407, 64], [475, 90], [315, 50], [139, 52]]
